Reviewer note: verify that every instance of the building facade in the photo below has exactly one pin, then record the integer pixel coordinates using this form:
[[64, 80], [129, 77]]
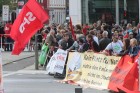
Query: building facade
[[110, 11], [105, 10], [57, 11]]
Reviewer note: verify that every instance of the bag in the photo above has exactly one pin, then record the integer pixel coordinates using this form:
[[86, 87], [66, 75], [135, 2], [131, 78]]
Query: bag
[[44, 51]]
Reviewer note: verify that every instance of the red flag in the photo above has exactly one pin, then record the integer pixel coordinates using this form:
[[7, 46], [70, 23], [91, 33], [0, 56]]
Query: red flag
[[72, 30], [28, 22], [131, 83], [125, 75]]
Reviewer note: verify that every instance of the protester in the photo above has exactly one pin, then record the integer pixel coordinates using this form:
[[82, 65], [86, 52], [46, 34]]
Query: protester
[[115, 47], [51, 40], [134, 49], [131, 35], [104, 41], [8, 39], [82, 45], [95, 38], [74, 47], [63, 43], [126, 46], [44, 33], [2, 38], [59, 34], [91, 44], [138, 33]]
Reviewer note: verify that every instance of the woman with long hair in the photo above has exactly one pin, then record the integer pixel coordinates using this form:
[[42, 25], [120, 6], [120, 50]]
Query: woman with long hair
[[125, 51]]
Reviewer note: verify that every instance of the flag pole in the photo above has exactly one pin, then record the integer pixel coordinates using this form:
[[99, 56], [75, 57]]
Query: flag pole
[[36, 52]]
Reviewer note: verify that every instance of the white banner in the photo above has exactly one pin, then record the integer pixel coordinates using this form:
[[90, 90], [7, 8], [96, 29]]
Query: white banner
[[75, 62], [57, 62], [5, 12]]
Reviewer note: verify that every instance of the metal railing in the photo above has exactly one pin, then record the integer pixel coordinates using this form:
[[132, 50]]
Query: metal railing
[[6, 46]]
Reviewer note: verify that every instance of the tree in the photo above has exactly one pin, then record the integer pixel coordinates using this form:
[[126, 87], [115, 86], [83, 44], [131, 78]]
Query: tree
[[12, 4]]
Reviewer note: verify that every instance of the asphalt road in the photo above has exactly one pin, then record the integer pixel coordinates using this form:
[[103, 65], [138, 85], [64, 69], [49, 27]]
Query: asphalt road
[[19, 80]]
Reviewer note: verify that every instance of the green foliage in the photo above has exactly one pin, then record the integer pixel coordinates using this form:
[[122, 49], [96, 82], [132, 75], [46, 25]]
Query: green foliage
[[11, 4]]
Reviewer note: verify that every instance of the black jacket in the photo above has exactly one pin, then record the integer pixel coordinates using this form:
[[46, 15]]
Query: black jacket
[[95, 46]]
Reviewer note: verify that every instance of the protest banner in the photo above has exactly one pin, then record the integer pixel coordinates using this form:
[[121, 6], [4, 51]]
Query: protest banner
[[57, 62], [97, 69], [125, 75], [73, 71]]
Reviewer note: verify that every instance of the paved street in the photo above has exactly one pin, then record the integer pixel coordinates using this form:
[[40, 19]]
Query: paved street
[[20, 77], [7, 57]]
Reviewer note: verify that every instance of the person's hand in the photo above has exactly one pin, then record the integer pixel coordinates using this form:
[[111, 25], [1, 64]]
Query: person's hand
[[68, 50], [104, 52], [131, 55], [115, 54], [78, 50], [89, 51]]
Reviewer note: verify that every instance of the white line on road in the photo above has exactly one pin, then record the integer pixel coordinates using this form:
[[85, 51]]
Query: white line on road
[[25, 72]]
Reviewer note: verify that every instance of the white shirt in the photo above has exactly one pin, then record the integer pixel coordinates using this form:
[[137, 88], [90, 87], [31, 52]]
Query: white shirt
[[115, 46], [95, 38]]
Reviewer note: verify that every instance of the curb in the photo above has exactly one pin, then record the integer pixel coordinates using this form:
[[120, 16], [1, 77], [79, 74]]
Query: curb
[[18, 60]]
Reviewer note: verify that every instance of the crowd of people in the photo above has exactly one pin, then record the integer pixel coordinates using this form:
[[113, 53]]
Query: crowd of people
[[116, 40], [5, 40], [100, 37]]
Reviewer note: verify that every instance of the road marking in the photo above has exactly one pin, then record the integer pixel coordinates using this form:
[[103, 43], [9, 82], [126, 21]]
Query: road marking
[[14, 62], [21, 72], [5, 75]]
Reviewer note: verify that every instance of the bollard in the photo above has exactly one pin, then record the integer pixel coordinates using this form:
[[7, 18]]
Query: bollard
[[78, 90]]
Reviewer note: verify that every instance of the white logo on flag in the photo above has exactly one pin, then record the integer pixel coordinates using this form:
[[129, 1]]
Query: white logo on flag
[[27, 20]]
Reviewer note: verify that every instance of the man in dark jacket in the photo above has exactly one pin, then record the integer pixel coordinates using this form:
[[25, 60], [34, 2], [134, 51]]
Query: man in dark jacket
[[63, 43], [104, 41], [91, 44]]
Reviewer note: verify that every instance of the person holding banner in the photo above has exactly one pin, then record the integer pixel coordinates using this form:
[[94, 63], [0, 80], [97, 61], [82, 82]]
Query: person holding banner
[[51, 40], [125, 51], [63, 43], [134, 49], [91, 44], [115, 47], [104, 41], [80, 41]]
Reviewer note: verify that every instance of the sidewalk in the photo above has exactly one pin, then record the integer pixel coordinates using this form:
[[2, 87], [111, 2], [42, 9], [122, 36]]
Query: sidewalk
[[8, 58]]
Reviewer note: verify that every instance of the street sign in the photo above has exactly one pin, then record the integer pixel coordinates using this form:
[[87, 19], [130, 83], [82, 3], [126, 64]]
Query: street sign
[[5, 12]]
